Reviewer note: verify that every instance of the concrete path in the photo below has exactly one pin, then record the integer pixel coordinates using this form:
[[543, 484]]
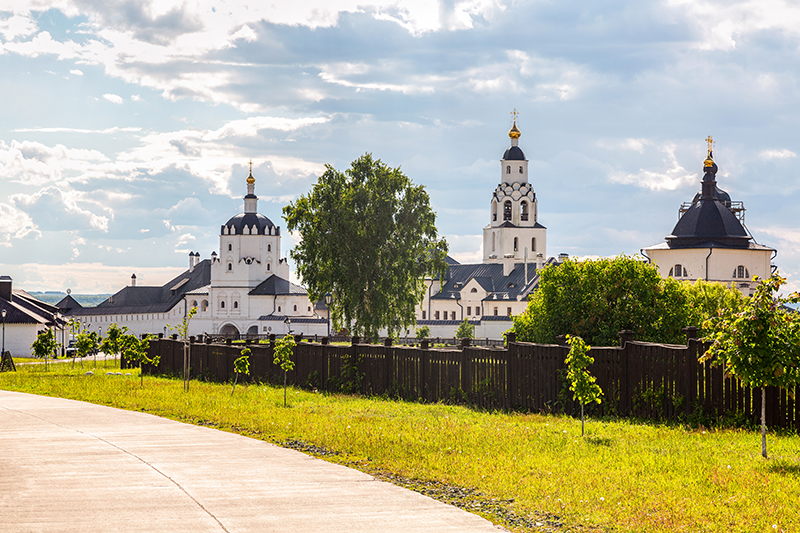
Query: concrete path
[[72, 466]]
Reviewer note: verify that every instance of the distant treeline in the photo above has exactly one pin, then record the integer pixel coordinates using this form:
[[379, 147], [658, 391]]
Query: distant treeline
[[86, 300]]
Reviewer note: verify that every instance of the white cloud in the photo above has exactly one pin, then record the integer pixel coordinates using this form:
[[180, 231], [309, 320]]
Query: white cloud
[[670, 177], [15, 224], [105, 131], [76, 72], [35, 163], [58, 209], [90, 277], [113, 98], [17, 25], [245, 33], [777, 154]]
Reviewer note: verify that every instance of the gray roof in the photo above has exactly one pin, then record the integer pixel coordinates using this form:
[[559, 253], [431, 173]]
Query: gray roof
[[25, 309], [275, 285], [490, 277], [251, 220], [295, 319], [132, 300]]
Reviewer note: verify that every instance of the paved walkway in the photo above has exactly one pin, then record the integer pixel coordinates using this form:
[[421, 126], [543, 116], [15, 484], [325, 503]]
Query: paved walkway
[[72, 466]]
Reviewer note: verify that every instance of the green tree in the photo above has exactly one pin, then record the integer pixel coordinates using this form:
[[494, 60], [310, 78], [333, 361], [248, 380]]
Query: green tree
[[581, 383], [283, 358], [241, 365], [758, 343], [86, 342], [595, 300], [465, 330], [112, 343], [708, 299], [368, 236], [45, 345], [135, 349], [424, 332]]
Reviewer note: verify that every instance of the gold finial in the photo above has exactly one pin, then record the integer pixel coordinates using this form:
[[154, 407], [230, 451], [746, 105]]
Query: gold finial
[[514, 132], [709, 161], [250, 178]]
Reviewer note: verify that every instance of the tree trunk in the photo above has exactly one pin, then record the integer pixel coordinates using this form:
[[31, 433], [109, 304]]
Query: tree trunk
[[581, 420], [764, 422], [234, 383], [284, 388]]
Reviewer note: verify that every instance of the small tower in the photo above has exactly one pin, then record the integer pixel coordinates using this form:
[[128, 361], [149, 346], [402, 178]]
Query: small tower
[[514, 214]]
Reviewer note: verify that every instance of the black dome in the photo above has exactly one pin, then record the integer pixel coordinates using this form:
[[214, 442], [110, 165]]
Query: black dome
[[708, 221], [514, 154], [249, 219], [719, 194]]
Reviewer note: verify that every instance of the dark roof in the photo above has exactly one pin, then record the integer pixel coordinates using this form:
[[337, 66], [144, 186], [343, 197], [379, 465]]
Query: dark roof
[[490, 277], [514, 153], [451, 261], [708, 220], [275, 285], [719, 194], [241, 220], [295, 319], [132, 300], [25, 309], [475, 322], [67, 303]]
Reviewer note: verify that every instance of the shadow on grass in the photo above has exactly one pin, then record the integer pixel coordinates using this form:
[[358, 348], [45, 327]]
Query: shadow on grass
[[600, 441], [784, 467]]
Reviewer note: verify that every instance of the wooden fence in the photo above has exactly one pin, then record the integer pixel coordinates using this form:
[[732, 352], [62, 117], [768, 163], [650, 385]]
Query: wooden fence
[[655, 381]]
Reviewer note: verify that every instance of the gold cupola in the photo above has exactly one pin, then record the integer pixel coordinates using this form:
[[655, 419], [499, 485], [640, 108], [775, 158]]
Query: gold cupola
[[709, 160], [250, 178], [514, 132]]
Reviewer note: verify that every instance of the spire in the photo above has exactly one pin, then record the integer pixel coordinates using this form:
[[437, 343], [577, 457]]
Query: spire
[[709, 172], [514, 132], [251, 200]]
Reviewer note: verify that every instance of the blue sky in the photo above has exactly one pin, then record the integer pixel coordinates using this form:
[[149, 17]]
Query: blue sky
[[126, 126]]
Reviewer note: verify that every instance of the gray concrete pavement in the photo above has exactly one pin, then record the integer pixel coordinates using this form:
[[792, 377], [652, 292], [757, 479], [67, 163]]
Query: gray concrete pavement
[[71, 466]]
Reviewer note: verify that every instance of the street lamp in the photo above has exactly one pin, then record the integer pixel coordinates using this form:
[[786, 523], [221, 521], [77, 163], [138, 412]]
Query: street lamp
[[328, 300], [288, 323], [3, 350]]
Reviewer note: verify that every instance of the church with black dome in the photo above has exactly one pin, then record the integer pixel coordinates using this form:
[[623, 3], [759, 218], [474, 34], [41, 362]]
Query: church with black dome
[[710, 240]]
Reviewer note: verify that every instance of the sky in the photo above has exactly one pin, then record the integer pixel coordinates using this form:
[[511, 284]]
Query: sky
[[126, 127]]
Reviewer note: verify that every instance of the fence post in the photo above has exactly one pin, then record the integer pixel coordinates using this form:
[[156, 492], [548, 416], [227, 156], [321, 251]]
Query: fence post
[[693, 345], [512, 369], [625, 401], [423, 374]]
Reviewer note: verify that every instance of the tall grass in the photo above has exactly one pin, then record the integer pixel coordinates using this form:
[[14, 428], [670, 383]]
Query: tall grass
[[622, 476]]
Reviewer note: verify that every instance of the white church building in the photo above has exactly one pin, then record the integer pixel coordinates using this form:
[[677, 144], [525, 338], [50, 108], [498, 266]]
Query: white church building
[[245, 289]]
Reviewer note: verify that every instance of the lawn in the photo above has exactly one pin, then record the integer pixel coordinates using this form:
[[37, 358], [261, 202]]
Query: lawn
[[515, 469]]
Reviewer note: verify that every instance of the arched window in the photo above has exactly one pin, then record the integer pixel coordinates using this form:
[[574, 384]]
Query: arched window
[[205, 305], [474, 290], [507, 210], [520, 169], [194, 303], [269, 247], [222, 304], [516, 244], [524, 211], [236, 305], [493, 242], [508, 169], [678, 271], [279, 308], [741, 272], [268, 267], [533, 244], [230, 267], [494, 211], [230, 247], [295, 308]]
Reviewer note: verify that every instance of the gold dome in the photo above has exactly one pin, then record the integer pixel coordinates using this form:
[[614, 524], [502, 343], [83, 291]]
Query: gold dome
[[250, 178], [514, 132], [709, 161]]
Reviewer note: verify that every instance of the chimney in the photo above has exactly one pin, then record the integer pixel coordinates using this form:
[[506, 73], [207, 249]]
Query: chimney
[[539, 261], [5, 288], [213, 256], [133, 280], [562, 257], [191, 261], [508, 264]]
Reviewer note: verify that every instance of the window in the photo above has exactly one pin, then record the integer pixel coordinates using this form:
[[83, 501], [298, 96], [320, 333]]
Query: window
[[236, 305], [268, 265], [309, 308], [520, 169], [452, 315], [741, 272], [516, 244], [194, 303], [508, 169], [469, 310], [222, 304], [524, 211], [493, 242], [269, 247], [230, 267], [495, 311], [474, 290], [678, 271], [436, 315], [507, 210], [230, 247], [533, 244], [494, 211], [295, 308], [423, 315], [508, 311], [205, 305]]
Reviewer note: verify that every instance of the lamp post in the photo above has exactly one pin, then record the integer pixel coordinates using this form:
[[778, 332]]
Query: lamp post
[[288, 323], [3, 350], [328, 300]]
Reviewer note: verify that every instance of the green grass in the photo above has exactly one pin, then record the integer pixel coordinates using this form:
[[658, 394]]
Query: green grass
[[623, 476]]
